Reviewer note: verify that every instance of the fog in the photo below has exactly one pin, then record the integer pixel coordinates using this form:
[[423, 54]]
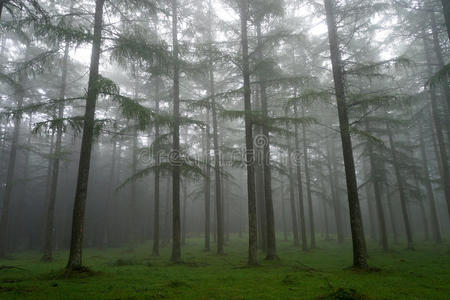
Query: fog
[[271, 122]]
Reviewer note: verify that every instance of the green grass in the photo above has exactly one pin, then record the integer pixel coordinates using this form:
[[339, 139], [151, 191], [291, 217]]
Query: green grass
[[318, 274]]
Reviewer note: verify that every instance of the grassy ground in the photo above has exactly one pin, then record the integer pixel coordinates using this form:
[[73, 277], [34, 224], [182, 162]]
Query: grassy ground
[[316, 274]]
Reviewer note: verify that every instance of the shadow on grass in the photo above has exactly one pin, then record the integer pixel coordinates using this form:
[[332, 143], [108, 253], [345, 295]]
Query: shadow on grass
[[344, 294], [78, 273]]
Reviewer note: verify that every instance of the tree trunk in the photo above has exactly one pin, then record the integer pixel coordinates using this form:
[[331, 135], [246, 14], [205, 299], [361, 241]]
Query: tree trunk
[[334, 193], [21, 201], [444, 82], [445, 172], [157, 174], [49, 226], [446, 7], [19, 94], [423, 214], [252, 245], [110, 198], [210, 106], [435, 229], [292, 188], [217, 177], [260, 207], [359, 243], [308, 185], [271, 253], [283, 209], [76, 244], [176, 224], [183, 227], [1, 8], [376, 182], [296, 160], [325, 212], [132, 213], [401, 190], [391, 213]]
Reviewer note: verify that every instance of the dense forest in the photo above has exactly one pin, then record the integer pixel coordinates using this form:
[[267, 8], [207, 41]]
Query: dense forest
[[225, 149]]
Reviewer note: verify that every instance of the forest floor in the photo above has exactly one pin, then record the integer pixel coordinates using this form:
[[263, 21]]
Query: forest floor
[[321, 273]]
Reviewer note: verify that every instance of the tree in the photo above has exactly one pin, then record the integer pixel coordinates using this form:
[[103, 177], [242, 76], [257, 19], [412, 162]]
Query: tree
[[156, 195], [252, 222], [49, 227], [76, 244], [376, 182], [308, 184], [19, 91], [446, 7], [401, 189], [358, 239], [271, 251], [176, 224]]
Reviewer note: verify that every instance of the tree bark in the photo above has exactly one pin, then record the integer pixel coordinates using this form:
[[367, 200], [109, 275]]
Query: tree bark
[[376, 182], [217, 177], [308, 185], [271, 253], [391, 213], [183, 227], [445, 172], [300, 186], [359, 243], [292, 189], [157, 174], [49, 226], [176, 224], [334, 193], [435, 229], [444, 82], [325, 212], [1, 8], [446, 7], [401, 189], [76, 245], [252, 241], [19, 94]]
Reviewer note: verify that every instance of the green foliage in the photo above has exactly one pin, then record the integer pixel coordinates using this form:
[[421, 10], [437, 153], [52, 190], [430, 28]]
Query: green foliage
[[136, 47], [58, 30], [440, 77], [378, 69], [309, 96], [365, 135], [74, 123]]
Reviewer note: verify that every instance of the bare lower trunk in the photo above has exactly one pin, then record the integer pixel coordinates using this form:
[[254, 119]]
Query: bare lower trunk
[[76, 245], [300, 187], [268, 201], [292, 190], [334, 193], [308, 185], [48, 241], [376, 182], [444, 82], [20, 93], [252, 242], [183, 225], [156, 193], [401, 189], [446, 7], [436, 231], [176, 224], [359, 243], [445, 171]]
